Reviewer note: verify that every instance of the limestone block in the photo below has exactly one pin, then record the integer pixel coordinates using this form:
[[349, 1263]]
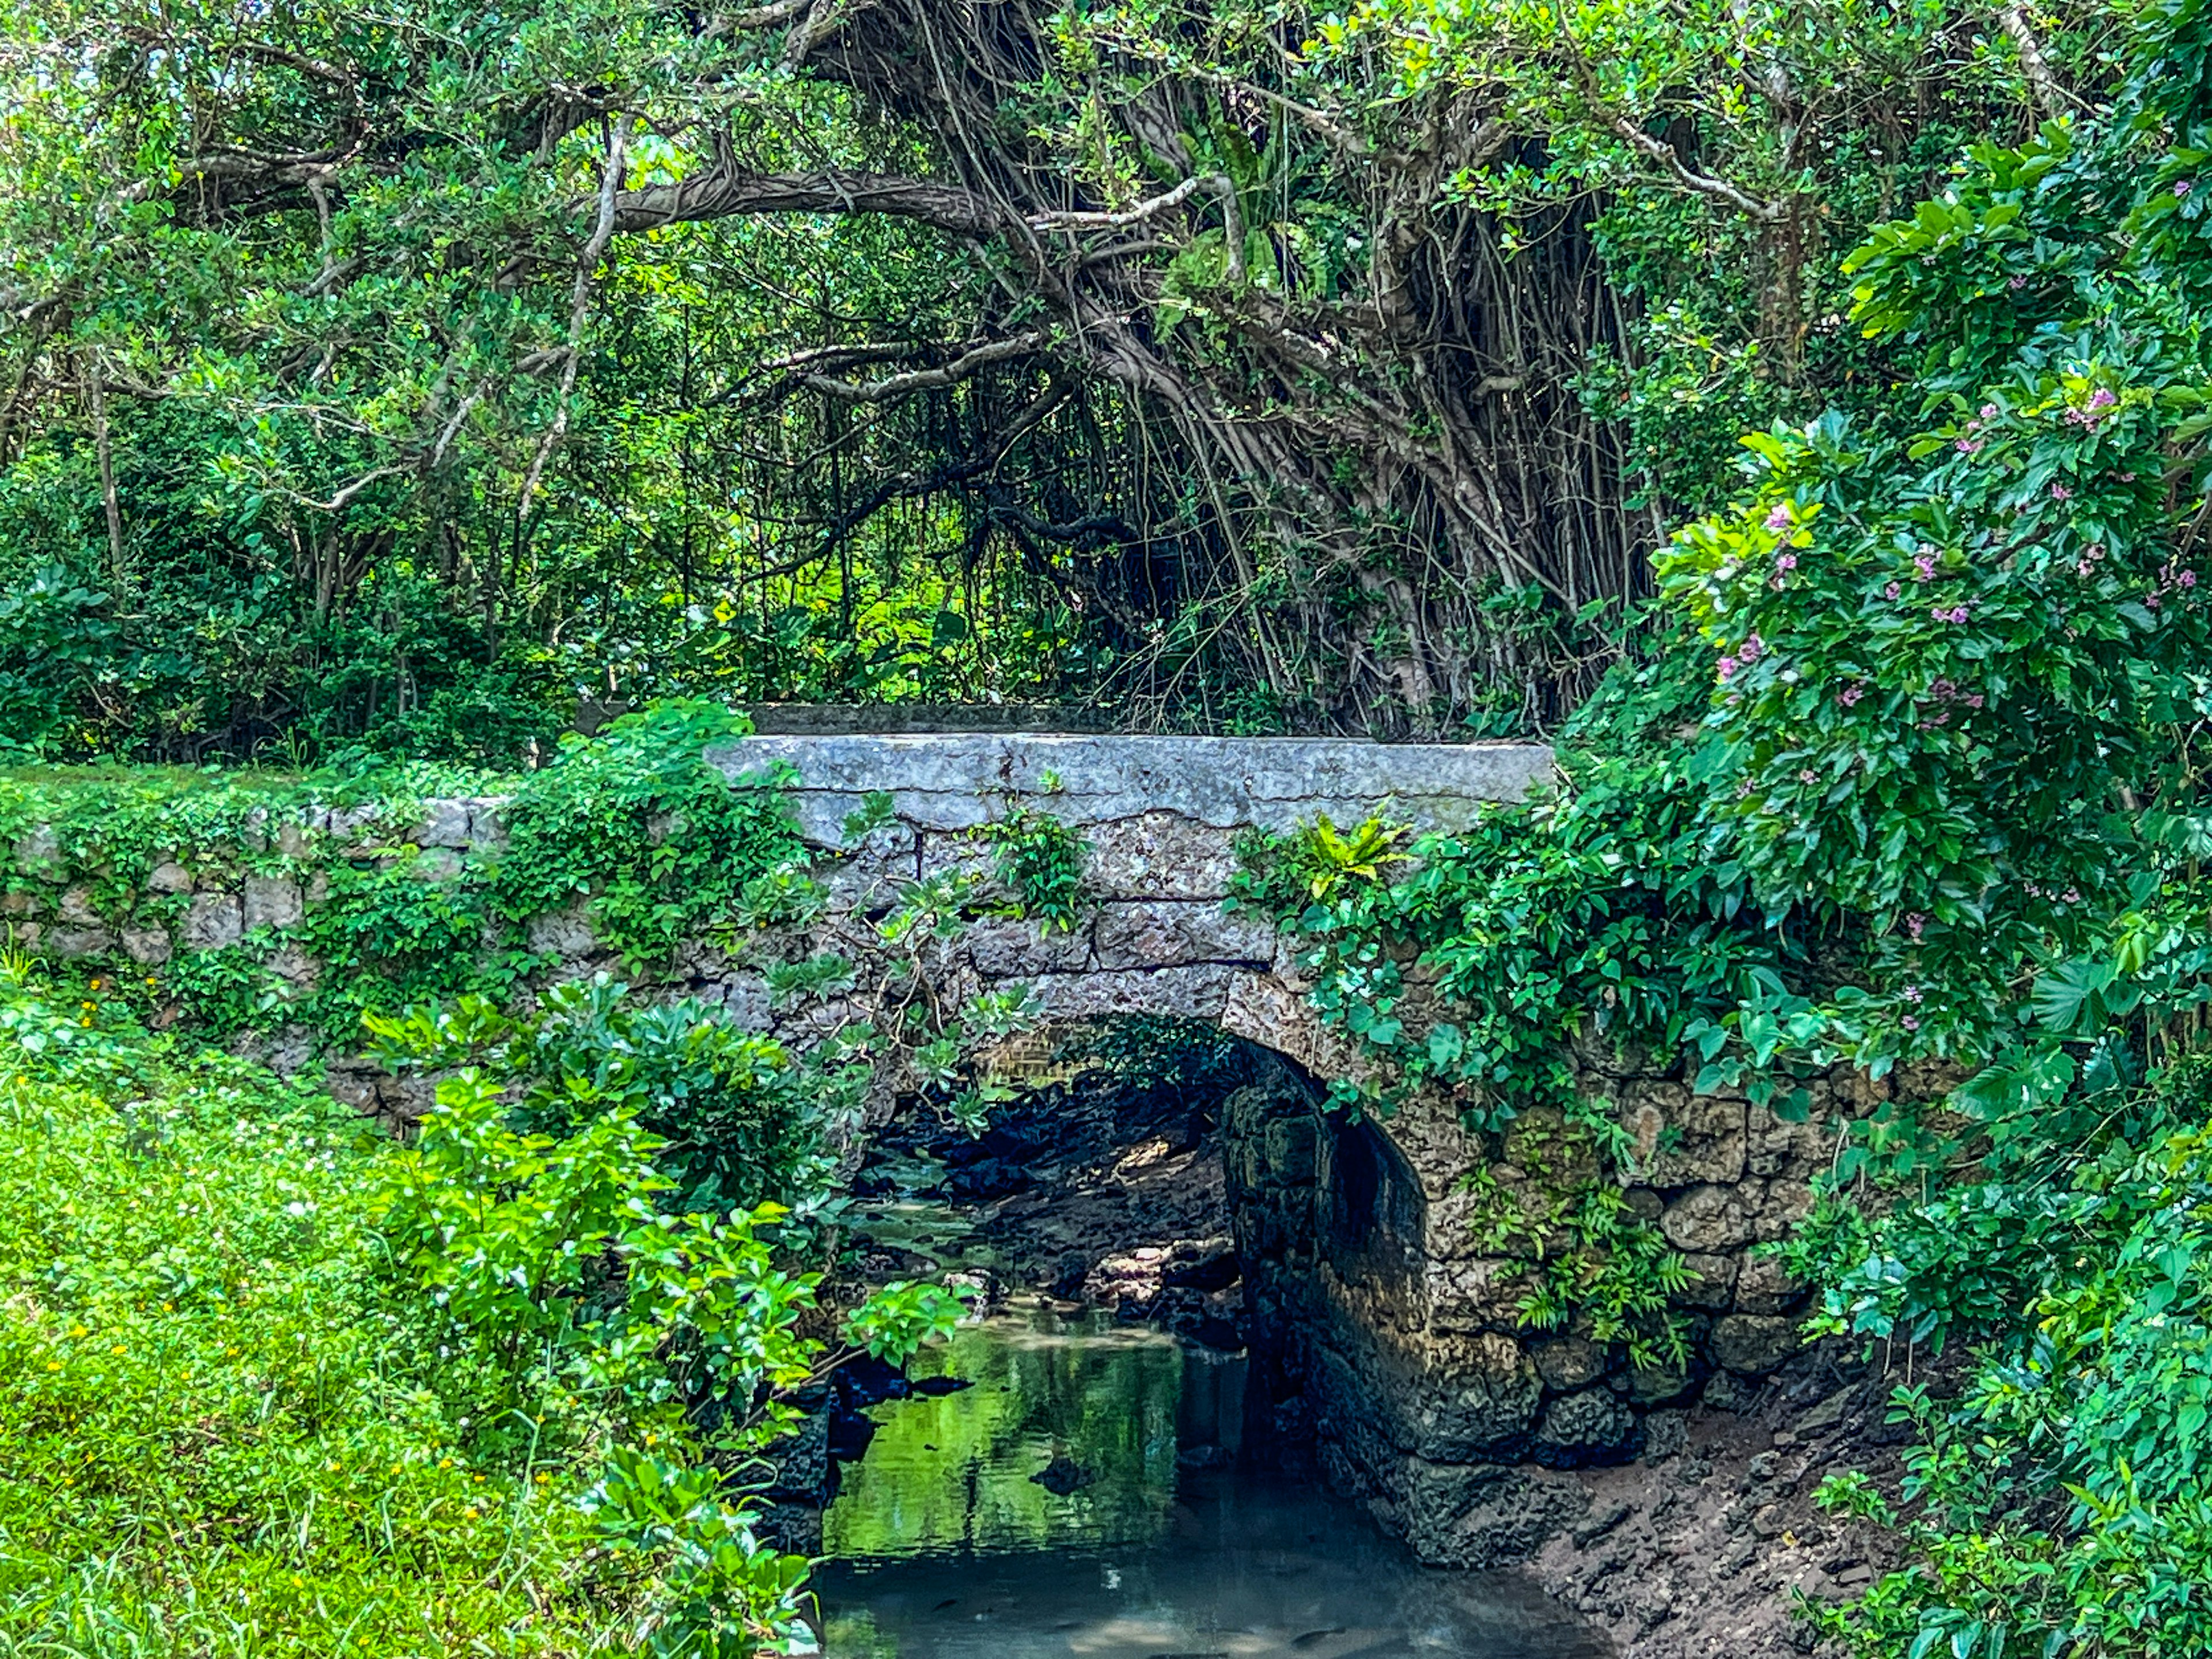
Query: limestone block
[[293, 834], [273, 901], [38, 853], [213, 921], [27, 934], [1155, 934], [1709, 1219], [170, 876], [1763, 1288], [253, 832], [1792, 1151], [960, 857], [1594, 1426], [1568, 1361], [354, 825], [1712, 1282], [1777, 1207], [1483, 1294], [1683, 1139], [149, 945], [1194, 993], [1752, 1343], [295, 966], [76, 906], [445, 824], [947, 781], [869, 877], [80, 941], [1657, 1385], [1479, 1403], [1160, 855], [1012, 948], [19, 901]]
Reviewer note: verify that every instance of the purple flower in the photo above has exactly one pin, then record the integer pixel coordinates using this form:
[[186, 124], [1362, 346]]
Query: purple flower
[[1809, 775], [2186, 579], [2070, 897], [1892, 590], [1914, 923], [2103, 397], [2059, 492], [1988, 411], [1778, 519], [1967, 446], [1924, 568], [1787, 561], [1727, 666], [1909, 1023], [1752, 647], [1850, 694], [2181, 189], [1911, 994]]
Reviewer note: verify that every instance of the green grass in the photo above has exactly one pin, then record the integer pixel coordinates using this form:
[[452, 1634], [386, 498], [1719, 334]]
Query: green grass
[[224, 1430]]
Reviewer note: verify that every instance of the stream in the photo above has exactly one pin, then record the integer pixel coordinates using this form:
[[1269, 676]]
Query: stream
[[1083, 1496]]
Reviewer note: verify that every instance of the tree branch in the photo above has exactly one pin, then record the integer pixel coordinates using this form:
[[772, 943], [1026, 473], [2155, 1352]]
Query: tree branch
[[579, 306], [929, 380]]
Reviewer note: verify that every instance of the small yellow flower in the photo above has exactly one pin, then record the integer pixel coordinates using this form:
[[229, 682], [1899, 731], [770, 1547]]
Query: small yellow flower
[[470, 1511], [79, 1330], [53, 1364], [445, 1463], [118, 1348]]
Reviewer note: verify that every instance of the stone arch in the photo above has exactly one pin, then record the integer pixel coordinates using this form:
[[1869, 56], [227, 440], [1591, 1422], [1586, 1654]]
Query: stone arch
[[1384, 1343]]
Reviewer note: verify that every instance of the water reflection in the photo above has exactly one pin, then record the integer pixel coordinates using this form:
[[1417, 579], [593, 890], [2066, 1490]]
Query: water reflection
[[1066, 1439], [1143, 1541]]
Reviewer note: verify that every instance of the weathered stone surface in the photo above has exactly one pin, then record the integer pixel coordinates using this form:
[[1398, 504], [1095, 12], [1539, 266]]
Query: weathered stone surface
[[1568, 1361], [1762, 1287], [1753, 1343], [213, 921], [80, 941], [1479, 1515], [273, 901], [148, 945], [1593, 1427], [170, 876], [486, 831], [76, 906], [1712, 1282], [1289, 1146], [445, 824], [1156, 933], [1013, 948], [948, 781], [1480, 1405], [1709, 1219], [1197, 992], [562, 932], [1681, 1138], [294, 831], [19, 902], [1469, 1294], [1161, 855]]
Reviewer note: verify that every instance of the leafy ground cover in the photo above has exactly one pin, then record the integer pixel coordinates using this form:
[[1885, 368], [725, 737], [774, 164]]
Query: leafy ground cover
[[273, 1384]]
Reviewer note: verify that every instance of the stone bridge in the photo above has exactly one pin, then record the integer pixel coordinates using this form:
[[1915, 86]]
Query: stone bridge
[[1161, 816], [1381, 1327]]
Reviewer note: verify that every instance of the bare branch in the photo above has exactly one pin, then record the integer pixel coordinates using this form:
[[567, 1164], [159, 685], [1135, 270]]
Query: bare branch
[[2050, 98], [1135, 215], [721, 193], [930, 379], [1699, 183], [579, 306]]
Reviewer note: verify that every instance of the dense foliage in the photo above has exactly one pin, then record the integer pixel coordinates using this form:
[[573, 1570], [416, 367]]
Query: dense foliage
[[398, 380], [1910, 779], [234, 1420]]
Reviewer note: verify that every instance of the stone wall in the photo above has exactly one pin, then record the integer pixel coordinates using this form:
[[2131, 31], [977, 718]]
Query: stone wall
[[1387, 1333]]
